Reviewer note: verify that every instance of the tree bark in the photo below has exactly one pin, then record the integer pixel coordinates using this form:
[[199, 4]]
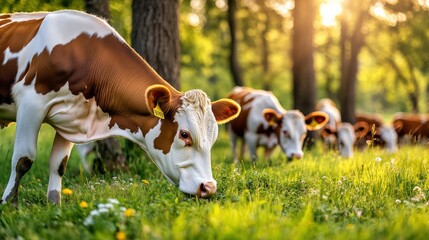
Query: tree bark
[[108, 153], [350, 48], [98, 7], [233, 57], [304, 80], [155, 36], [265, 51]]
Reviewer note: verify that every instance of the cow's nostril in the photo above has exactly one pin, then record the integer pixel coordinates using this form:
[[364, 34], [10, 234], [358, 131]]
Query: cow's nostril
[[206, 190]]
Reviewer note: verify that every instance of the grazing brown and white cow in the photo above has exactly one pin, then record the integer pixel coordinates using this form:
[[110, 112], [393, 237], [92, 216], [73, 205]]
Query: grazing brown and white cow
[[344, 137], [411, 127], [378, 133], [328, 106], [264, 122], [74, 72]]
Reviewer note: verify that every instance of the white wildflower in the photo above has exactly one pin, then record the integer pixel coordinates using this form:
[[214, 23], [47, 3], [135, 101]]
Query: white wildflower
[[112, 200], [378, 159], [94, 213], [397, 201], [88, 221]]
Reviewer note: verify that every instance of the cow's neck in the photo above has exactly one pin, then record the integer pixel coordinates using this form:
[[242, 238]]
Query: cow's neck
[[119, 81]]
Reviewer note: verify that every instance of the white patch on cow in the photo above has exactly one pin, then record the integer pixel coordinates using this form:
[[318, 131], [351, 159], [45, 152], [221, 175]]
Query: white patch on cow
[[52, 32], [346, 139]]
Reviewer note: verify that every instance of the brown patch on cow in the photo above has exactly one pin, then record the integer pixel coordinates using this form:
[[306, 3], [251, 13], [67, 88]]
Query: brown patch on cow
[[265, 131], [4, 16], [109, 71], [54, 196], [239, 124], [7, 78], [14, 36], [63, 165], [102, 68], [4, 21], [166, 137], [22, 167]]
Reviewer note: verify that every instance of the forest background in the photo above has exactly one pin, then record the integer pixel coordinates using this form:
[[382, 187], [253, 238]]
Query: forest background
[[387, 38]]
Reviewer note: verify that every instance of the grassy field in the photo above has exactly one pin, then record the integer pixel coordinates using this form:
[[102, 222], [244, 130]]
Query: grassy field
[[373, 195]]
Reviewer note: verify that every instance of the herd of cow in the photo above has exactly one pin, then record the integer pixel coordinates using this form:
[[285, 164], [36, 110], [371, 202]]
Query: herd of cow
[[74, 72], [263, 122]]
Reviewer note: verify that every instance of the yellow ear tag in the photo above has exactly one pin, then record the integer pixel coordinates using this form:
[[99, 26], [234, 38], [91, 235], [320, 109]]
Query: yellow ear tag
[[313, 123], [157, 111], [272, 122]]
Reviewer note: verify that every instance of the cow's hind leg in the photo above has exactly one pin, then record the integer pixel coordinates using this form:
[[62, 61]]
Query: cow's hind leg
[[28, 121], [60, 154]]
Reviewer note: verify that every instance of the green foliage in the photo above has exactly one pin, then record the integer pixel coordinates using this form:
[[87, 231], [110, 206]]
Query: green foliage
[[371, 195]]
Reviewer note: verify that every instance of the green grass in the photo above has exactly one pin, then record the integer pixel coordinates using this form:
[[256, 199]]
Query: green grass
[[373, 195]]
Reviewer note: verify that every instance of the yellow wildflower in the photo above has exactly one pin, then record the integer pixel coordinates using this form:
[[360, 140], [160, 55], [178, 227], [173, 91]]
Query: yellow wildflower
[[121, 235], [145, 181], [67, 191], [129, 212], [83, 204]]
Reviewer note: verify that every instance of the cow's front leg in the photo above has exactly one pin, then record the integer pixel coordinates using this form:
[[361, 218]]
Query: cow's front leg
[[60, 154], [28, 122], [252, 143]]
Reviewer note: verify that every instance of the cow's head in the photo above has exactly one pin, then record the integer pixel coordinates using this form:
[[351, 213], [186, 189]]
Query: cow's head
[[389, 137], [183, 155], [346, 139], [291, 128]]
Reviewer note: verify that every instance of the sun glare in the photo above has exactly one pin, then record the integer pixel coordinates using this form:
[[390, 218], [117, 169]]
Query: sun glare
[[381, 13], [329, 11]]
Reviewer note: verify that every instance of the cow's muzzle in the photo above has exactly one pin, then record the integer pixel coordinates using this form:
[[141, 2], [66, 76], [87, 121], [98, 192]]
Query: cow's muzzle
[[206, 190]]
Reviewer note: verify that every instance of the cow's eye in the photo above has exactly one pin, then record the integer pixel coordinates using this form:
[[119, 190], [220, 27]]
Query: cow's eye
[[286, 133], [186, 137]]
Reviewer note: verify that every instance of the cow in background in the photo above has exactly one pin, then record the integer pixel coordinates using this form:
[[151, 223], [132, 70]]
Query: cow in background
[[378, 134], [264, 122], [328, 106], [412, 128], [336, 134]]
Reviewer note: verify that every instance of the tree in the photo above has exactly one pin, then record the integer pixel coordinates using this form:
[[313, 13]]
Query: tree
[[233, 58], [304, 80], [351, 41], [155, 36], [108, 153]]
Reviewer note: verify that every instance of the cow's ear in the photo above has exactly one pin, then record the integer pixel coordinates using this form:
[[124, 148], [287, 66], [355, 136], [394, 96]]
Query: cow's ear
[[398, 125], [316, 120], [158, 100], [225, 110], [361, 129], [272, 116]]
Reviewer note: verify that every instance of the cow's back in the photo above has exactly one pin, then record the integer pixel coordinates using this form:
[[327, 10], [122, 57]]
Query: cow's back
[[252, 102]]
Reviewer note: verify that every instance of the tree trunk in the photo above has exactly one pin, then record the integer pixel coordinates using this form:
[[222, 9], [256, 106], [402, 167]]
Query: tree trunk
[[155, 36], [350, 49], [265, 51], [233, 57], [304, 81], [98, 7], [108, 153]]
